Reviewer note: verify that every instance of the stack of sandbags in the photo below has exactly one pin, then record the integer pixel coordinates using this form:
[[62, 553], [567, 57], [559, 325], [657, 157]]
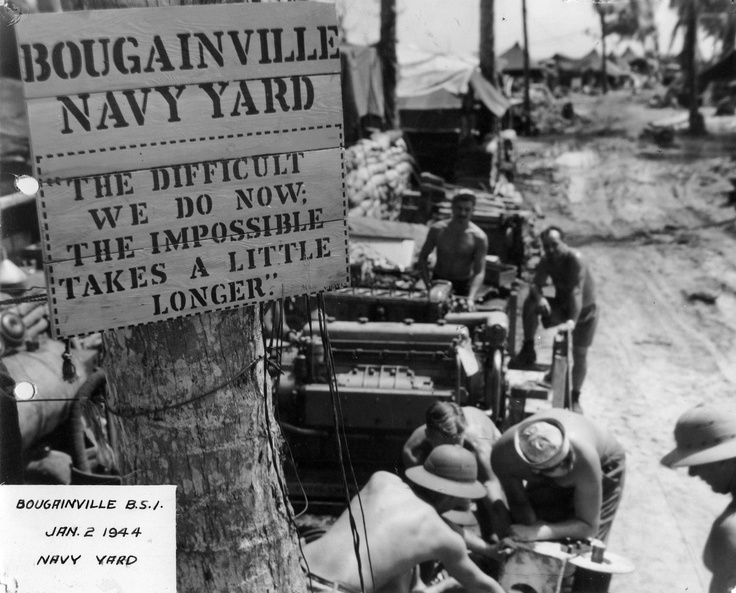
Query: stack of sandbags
[[379, 170], [35, 317]]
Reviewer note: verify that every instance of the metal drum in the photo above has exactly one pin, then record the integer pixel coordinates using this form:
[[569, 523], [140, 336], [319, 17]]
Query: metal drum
[[537, 567]]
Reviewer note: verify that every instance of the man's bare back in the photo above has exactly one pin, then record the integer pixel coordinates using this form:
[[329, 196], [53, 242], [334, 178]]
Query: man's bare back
[[404, 529], [402, 532]]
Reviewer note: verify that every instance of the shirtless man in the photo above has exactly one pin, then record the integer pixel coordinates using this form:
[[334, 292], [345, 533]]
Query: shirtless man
[[706, 444], [404, 529], [461, 250], [574, 472], [573, 307], [449, 424]]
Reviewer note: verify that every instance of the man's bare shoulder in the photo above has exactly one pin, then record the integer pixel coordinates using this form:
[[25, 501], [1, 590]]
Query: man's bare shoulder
[[481, 424], [477, 231], [381, 479], [440, 225]]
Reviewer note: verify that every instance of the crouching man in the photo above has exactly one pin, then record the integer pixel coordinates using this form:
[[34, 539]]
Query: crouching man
[[562, 474], [404, 528]]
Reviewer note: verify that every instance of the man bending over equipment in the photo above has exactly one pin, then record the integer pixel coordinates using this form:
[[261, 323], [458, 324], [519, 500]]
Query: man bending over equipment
[[404, 529], [461, 250], [449, 424], [562, 474], [573, 307]]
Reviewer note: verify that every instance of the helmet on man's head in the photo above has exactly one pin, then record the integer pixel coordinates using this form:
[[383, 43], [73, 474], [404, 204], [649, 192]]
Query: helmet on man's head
[[542, 443], [451, 470], [704, 434]]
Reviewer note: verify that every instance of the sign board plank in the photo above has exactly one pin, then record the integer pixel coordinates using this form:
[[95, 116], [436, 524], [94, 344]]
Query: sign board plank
[[125, 105], [147, 47], [235, 196], [213, 276], [133, 125], [160, 153]]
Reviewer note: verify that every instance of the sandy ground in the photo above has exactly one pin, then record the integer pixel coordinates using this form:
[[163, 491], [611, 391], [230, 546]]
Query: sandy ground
[[658, 233]]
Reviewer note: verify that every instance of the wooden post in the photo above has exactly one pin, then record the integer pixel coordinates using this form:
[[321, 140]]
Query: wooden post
[[604, 73], [389, 65], [487, 47], [527, 101]]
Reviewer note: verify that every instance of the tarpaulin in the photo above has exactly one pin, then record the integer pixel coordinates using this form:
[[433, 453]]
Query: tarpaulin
[[422, 73], [490, 96], [364, 69], [431, 81]]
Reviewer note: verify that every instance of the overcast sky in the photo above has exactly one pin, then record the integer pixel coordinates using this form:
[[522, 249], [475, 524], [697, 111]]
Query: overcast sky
[[451, 26]]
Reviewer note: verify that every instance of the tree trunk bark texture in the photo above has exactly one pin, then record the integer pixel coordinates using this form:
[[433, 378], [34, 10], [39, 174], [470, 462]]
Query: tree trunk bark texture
[[389, 62], [487, 41], [696, 124], [527, 100], [604, 73], [190, 410]]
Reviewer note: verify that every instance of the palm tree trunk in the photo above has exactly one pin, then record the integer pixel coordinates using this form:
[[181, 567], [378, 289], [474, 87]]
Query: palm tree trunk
[[604, 74], [190, 409], [696, 124], [527, 100], [389, 62], [487, 51]]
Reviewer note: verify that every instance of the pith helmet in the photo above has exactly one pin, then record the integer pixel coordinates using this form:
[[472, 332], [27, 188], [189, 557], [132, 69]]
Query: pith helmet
[[704, 434], [451, 470]]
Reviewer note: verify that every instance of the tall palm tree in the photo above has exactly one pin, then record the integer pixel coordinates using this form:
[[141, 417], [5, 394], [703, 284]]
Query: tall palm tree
[[688, 11], [618, 18], [720, 24]]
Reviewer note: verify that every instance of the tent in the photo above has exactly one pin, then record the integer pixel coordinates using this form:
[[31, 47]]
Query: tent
[[590, 66], [430, 81], [512, 62], [435, 97]]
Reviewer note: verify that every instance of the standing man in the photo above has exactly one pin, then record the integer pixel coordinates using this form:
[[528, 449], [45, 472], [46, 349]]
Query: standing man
[[403, 529], [461, 250], [562, 474], [573, 307], [449, 424], [706, 443]]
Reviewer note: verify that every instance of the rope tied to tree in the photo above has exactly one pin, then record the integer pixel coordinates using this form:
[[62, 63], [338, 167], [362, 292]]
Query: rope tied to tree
[[134, 412]]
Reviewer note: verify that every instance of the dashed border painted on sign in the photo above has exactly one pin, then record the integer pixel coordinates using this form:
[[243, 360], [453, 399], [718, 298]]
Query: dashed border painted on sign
[[184, 141]]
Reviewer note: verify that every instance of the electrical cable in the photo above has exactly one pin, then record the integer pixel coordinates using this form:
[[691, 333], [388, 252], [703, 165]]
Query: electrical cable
[[275, 457], [340, 435], [133, 412], [347, 449], [278, 330]]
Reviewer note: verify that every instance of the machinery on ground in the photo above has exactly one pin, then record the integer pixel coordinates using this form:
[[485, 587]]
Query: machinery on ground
[[391, 353]]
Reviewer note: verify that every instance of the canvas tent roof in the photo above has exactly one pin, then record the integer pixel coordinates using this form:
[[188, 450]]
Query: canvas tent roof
[[431, 81], [513, 59], [565, 63], [630, 56], [592, 61]]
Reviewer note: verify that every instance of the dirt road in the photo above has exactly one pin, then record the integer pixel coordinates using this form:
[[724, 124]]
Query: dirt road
[[661, 242]]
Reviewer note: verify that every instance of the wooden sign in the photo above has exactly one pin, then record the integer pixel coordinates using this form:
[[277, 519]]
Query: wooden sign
[[190, 158]]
